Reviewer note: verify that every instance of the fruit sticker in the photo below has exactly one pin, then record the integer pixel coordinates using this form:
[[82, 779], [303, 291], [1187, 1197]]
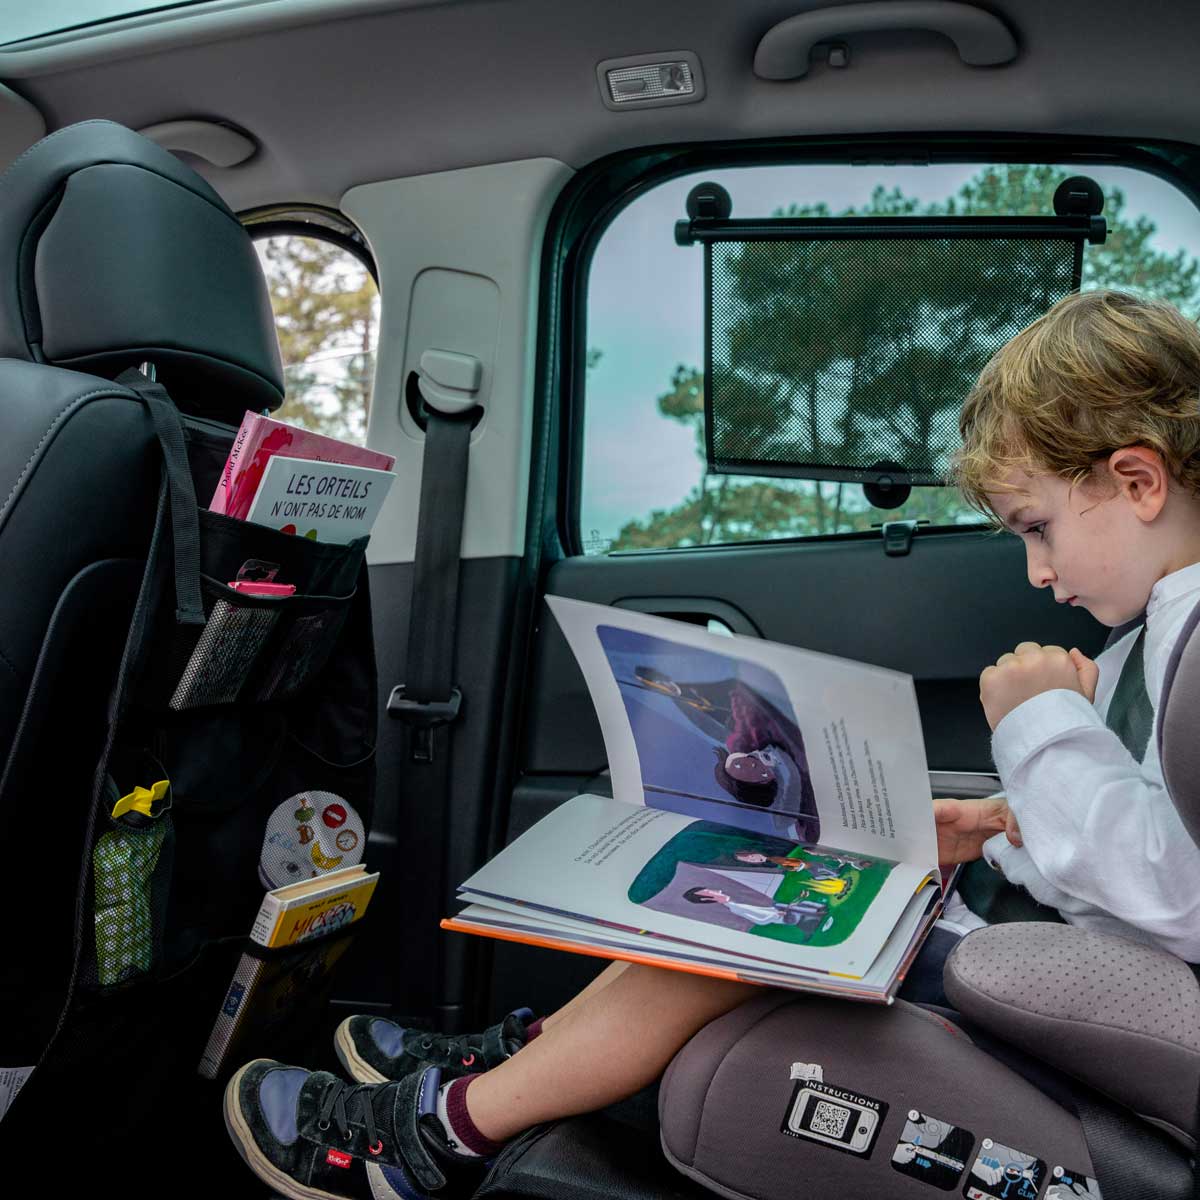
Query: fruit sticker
[[323, 862]]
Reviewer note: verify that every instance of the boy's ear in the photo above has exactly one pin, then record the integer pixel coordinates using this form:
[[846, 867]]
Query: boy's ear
[[1140, 475]]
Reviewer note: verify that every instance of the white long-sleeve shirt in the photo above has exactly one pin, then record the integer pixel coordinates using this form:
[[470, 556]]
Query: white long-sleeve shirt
[[1103, 843]]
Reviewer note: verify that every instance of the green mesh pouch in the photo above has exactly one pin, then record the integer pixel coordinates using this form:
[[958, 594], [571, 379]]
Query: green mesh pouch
[[130, 868]]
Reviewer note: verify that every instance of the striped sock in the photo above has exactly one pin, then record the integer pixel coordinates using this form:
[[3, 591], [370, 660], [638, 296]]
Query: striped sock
[[461, 1132]]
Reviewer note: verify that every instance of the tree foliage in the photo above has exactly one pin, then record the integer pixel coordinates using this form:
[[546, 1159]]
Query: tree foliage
[[901, 392], [326, 315]]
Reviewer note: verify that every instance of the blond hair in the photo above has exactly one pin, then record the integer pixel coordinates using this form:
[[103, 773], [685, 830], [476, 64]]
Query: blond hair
[[1101, 370]]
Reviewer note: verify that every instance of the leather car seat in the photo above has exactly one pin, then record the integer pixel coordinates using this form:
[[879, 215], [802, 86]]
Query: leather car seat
[[112, 253]]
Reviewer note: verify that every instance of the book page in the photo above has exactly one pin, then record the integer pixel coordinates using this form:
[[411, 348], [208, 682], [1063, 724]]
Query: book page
[[782, 741], [711, 886]]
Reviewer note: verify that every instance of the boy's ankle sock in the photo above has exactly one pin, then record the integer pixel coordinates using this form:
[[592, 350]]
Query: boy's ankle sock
[[533, 1029], [461, 1132]]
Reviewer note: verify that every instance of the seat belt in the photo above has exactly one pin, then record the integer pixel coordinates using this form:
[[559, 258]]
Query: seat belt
[[429, 701]]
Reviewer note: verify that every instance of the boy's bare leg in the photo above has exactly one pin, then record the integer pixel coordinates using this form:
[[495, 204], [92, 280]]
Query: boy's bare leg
[[611, 972], [615, 1042]]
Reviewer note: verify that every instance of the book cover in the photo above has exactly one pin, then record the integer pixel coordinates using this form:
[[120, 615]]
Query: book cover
[[314, 907], [259, 438], [329, 502], [273, 1001]]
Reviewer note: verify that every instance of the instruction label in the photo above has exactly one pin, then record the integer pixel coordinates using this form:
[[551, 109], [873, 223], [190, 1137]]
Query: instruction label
[[933, 1151]]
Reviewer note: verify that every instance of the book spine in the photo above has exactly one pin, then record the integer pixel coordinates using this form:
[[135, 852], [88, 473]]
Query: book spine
[[249, 430], [267, 922], [236, 1002]]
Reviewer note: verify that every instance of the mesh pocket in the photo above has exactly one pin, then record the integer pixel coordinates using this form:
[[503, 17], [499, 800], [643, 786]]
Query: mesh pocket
[[231, 641], [303, 647], [131, 874]]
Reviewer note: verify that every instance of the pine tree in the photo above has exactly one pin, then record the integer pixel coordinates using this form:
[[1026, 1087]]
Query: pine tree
[[326, 316]]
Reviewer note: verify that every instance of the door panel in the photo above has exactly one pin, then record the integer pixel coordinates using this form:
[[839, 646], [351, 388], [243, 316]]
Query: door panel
[[941, 613]]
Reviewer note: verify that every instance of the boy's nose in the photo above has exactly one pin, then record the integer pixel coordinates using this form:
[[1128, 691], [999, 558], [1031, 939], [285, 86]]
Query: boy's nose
[[1041, 573]]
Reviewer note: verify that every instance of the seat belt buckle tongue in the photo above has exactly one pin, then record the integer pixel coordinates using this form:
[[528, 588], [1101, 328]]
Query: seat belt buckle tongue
[[423, 716]]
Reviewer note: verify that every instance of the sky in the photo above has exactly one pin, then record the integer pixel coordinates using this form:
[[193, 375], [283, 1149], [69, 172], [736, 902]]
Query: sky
[[645, 313]]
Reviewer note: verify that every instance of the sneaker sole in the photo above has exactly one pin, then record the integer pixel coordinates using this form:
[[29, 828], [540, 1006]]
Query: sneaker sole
[[253, 1157], [357, 1067]]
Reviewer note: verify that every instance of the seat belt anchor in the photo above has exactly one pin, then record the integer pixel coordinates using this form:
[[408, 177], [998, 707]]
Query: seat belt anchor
[[422, 717]]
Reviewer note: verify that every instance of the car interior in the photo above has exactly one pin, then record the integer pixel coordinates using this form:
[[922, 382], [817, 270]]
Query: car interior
[[555, 258]]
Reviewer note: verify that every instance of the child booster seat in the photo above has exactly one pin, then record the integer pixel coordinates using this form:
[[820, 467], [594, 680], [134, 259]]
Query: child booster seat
[[128, 667], [1070, 1067]]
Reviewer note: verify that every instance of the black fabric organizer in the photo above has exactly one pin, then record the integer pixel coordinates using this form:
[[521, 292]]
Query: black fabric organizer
[[298, 714]]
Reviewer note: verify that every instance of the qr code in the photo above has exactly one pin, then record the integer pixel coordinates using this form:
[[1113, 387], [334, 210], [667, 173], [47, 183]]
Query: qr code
[[829, 1119]]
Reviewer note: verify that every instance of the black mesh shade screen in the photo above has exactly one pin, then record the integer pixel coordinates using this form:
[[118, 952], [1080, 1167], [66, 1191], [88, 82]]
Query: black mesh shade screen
[[848, 355]]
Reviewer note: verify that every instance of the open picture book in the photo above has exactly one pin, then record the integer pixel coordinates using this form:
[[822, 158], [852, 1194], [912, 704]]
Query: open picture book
[[771, 817]]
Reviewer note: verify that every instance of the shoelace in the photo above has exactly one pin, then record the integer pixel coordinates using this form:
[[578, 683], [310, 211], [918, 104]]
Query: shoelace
[[335, 1101], [452, 1045]]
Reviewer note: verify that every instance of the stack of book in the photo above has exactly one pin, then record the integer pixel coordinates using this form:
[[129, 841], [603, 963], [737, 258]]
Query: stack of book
[[296, 940], [302, 483]]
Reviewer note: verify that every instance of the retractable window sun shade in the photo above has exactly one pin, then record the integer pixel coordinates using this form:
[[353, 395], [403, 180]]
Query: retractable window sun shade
[[842, 348]]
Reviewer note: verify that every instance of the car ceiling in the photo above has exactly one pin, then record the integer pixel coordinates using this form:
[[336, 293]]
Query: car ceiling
[[342, 93]]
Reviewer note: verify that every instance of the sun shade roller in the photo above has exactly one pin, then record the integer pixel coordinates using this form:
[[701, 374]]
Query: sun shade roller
[[842, 348]]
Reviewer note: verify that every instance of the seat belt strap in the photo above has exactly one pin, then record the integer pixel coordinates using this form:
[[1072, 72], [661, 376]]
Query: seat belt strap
[[429, 698]]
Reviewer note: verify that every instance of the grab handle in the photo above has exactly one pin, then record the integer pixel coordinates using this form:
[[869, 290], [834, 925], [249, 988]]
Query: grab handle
[[982, 40]]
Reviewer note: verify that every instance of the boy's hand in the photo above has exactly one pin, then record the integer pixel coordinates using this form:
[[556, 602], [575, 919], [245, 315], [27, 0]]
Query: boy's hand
[[1030, 670], [964, 825]]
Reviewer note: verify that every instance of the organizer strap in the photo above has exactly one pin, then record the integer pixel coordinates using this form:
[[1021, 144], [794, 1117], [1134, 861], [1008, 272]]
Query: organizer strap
[[185, 522]]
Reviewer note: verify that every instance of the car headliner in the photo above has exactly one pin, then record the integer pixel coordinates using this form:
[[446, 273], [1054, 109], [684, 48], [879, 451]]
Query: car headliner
[[342, 92]]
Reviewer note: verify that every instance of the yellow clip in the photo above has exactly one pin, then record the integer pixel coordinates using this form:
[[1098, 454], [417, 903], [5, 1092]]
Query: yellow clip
[[141, 799]]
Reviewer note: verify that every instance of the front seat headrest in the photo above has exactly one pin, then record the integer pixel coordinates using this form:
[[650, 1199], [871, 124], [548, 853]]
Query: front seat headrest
[[113, 252]]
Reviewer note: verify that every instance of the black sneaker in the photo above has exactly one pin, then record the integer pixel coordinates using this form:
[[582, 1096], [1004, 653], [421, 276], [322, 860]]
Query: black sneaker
[[310, 1135], [374, 1050]]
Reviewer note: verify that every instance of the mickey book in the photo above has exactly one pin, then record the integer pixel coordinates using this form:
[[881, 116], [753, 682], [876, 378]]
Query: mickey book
[[771, 817], [285, 973]]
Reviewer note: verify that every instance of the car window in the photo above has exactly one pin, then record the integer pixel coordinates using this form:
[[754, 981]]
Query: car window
[[645, 483], [327, 317]]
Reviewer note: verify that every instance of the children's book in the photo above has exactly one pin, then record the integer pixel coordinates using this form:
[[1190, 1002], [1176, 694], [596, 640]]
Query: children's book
[[259, 438], [311, 908], [296, 939], [274, 1000], [771, 817], [330, 502]]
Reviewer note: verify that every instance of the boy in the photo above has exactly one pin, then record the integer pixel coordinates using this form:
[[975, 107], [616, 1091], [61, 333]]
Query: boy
[[1082, 436]]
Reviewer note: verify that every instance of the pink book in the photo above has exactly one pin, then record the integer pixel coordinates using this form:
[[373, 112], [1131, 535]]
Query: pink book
[[259, 438]]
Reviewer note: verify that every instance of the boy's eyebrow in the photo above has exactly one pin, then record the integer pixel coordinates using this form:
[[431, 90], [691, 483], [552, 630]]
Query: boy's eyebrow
[[1014, 516]]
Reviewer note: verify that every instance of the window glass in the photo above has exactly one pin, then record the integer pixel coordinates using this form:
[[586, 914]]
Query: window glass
[[645, 483], [327, 318], [52, 16]]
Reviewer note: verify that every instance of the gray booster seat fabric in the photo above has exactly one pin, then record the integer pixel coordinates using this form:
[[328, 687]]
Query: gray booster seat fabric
[[1071, 1064], [789, 1097]]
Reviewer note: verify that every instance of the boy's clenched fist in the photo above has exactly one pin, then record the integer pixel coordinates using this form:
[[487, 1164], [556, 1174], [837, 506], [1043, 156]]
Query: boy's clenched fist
[[1030, 670]]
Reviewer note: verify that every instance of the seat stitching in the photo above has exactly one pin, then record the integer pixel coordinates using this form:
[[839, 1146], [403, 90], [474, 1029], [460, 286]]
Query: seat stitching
[[66, 412]]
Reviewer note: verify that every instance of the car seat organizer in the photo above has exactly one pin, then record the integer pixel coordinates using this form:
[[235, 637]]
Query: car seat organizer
[[193, 675]]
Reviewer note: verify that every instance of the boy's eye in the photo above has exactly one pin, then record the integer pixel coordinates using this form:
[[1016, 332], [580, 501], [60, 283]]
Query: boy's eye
[[1039, 529]]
